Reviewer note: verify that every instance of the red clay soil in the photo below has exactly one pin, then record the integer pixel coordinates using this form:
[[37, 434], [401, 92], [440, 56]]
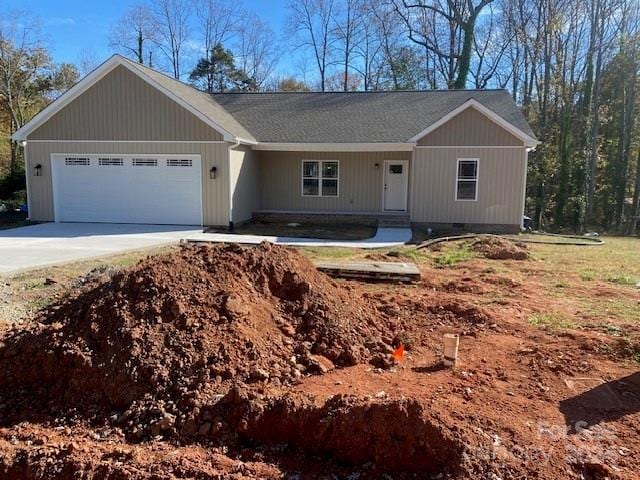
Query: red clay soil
[[225, 362], [496, 248]]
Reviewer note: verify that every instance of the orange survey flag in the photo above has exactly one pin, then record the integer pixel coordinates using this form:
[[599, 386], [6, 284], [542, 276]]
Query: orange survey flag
[[398, 353]]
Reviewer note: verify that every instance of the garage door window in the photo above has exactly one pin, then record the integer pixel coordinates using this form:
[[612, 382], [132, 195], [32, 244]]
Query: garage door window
[[110, 162], [76, 161], [179, 162], [145, 162]]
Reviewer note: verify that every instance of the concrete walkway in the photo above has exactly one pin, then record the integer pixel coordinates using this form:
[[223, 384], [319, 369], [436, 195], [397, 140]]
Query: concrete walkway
[[384, 238], [54, 243]]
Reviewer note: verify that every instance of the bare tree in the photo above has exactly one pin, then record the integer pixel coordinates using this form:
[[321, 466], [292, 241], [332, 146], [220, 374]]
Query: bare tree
[[423, 19], [218, 22], [257, 51], [368, 49], [24, 63], [171, 20], [86, 61], [490, 44], [312, 22], [134, 33], [349, 23], [391, 68]]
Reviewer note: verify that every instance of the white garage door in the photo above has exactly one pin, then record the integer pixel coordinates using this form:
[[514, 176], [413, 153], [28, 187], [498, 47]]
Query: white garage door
[[157, 189]]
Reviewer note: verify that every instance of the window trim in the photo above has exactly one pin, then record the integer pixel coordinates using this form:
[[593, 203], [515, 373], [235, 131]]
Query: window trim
[[458, 179], [319, 178]]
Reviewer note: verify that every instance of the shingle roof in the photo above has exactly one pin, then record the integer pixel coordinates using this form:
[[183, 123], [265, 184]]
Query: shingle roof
[[334, 117], [356, 117]]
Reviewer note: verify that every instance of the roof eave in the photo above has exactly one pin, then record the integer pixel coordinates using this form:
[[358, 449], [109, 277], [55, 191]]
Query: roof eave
[[336, 146]]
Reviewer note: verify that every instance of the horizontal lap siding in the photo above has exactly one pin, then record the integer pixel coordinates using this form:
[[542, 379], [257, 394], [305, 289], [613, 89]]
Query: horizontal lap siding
[[122, 106], [360, 182], [215, 192], [500, 187]]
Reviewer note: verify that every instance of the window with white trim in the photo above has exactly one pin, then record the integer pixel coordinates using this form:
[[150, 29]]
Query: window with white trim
[[320, 178], [467, 179]]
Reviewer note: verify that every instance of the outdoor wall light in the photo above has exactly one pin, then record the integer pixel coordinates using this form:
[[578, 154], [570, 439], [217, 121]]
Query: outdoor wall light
[[212, 172], [37, 170], [377, 165]]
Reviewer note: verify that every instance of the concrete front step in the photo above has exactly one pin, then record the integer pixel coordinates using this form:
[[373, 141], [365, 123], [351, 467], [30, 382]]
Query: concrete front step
[[394, 221]]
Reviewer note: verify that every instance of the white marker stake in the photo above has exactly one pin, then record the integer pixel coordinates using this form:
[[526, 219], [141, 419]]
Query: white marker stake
[[451, 342]]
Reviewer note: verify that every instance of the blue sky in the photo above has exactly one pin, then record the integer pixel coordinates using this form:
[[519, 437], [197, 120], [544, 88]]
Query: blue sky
[[73, 26]]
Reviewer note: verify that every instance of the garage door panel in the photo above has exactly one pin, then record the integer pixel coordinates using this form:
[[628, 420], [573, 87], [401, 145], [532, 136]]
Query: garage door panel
[[127, 193]]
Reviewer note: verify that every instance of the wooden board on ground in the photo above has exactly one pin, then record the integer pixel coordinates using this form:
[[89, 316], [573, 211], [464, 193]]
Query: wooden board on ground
[[403, 272]]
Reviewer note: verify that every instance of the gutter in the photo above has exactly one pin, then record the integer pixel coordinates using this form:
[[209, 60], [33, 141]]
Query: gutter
[[237, 143]]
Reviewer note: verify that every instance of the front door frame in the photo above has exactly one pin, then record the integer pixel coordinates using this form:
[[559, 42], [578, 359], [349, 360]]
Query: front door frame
[[406, 184]]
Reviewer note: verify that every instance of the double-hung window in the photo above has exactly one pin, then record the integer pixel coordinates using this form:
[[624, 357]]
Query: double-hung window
[[320, 178], [467, 179]]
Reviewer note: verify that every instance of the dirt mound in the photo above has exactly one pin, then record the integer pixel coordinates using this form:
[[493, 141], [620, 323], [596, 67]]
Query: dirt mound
[[173, 332], [393, 434], [496, 248]]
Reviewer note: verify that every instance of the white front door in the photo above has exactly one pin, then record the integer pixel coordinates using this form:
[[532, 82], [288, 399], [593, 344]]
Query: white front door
[[396, 181], [115, 188]]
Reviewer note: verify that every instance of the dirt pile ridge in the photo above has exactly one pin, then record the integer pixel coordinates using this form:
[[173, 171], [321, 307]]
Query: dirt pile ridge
[[175, 331], [496, 248]]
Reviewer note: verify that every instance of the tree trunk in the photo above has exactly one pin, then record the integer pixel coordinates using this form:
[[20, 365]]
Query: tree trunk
[[635, 210], [140, 53], [465, 56], [565, 167]]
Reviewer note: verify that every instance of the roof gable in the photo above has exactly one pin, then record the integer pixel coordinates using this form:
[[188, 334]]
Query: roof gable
[[123, 107], [452, 119], [200, 104]]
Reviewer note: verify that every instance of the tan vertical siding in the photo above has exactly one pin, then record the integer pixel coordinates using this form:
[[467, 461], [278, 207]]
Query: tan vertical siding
[[470, 128], [500, 186], [215, 198], [122, 106], [245, 188], [360, 182]]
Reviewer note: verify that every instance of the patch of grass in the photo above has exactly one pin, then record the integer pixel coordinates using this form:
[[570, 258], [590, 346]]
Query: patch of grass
[[552, 320], [33, 284], [318, 253], [621, 279], [40, 303], [587, 275], [616, 260], [416, 255], [620, 308], [613, 330], [454, 256], [126, 260]]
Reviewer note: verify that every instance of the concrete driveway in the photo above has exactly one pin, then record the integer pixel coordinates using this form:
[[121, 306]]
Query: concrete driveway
[[53, 243]]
